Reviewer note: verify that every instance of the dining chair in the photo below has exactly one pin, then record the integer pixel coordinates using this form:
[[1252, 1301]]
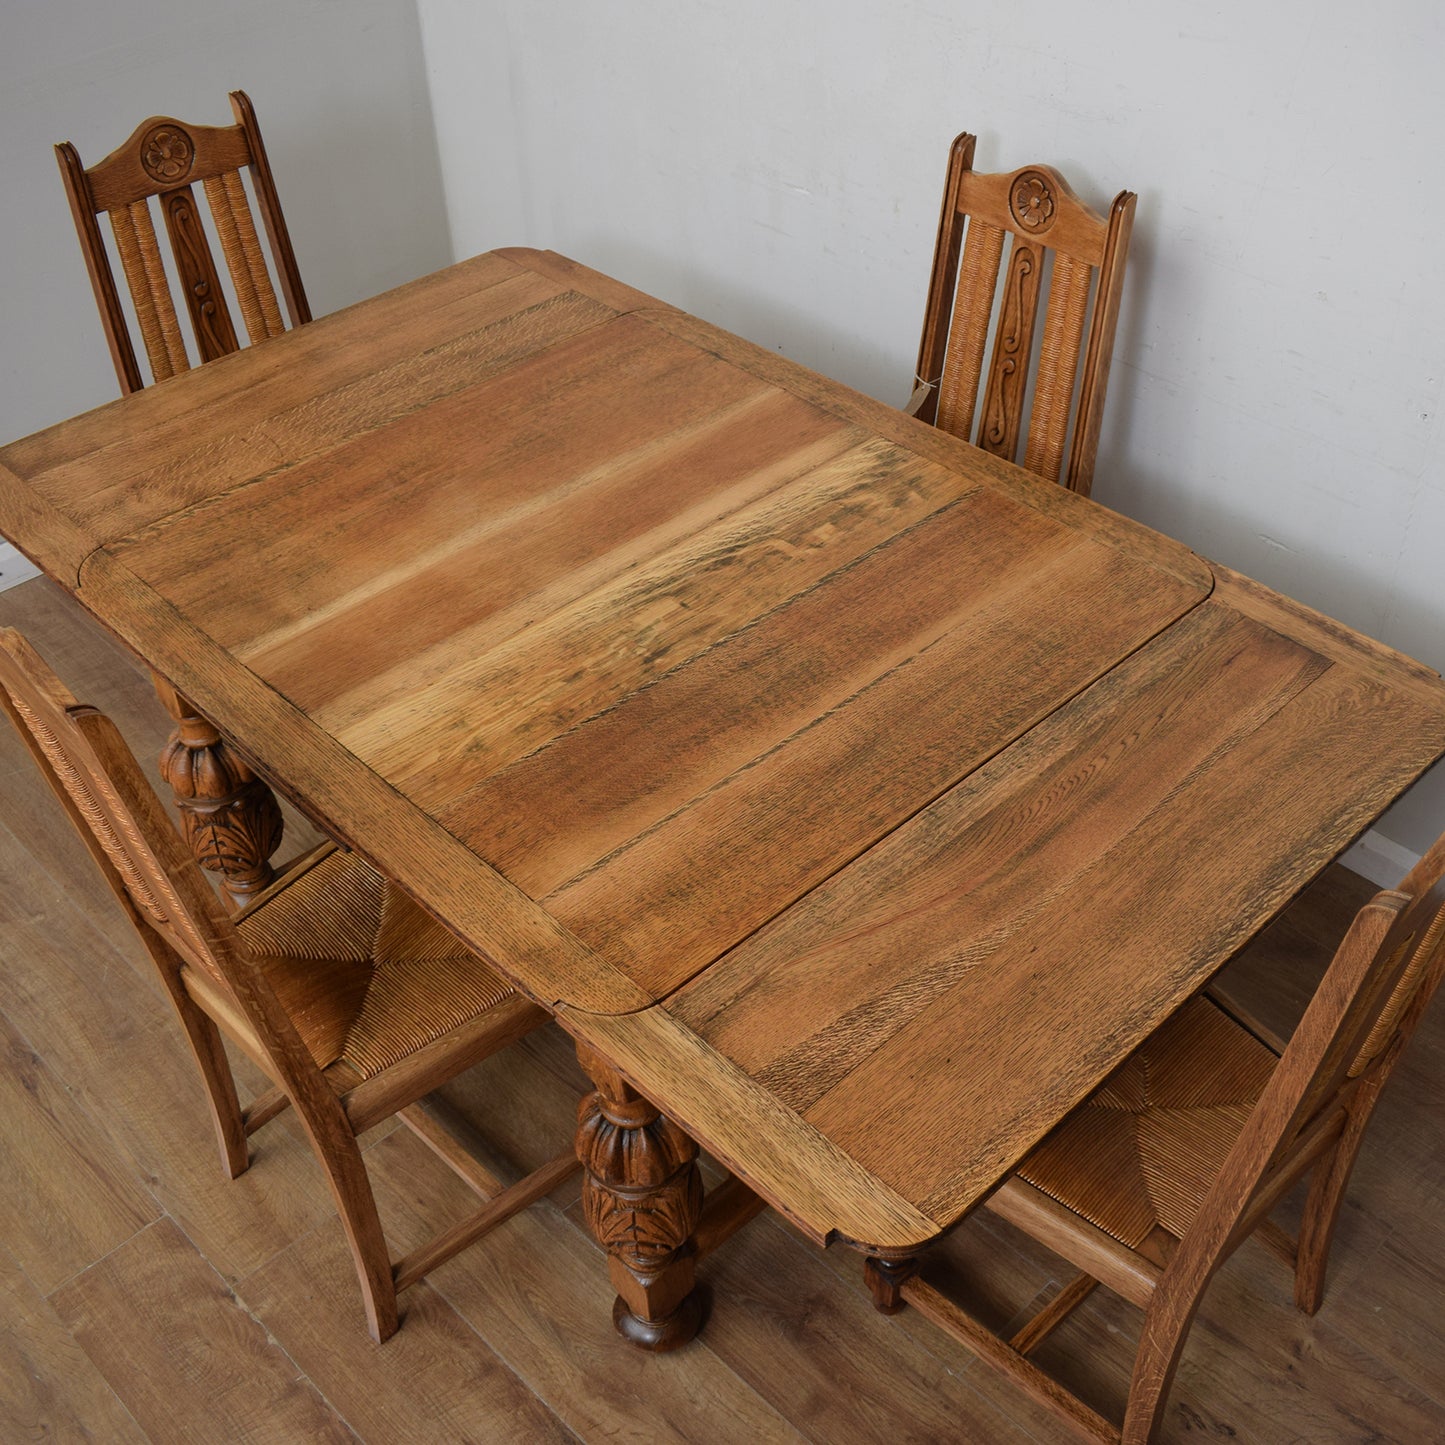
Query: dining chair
[[1043, 396], [1152, 1183], [161, 162], [348, 997]]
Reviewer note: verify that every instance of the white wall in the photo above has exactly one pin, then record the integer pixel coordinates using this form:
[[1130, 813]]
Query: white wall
[[342, 97], [777, 167]]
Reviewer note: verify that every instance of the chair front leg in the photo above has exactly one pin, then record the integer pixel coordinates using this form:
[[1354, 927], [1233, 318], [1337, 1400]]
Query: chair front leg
[[1326, 1197], [340, 1158], [1167, 1318]]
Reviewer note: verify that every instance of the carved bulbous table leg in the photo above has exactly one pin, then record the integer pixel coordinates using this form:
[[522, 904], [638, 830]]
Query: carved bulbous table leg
[[231, 819], [642, 1195]]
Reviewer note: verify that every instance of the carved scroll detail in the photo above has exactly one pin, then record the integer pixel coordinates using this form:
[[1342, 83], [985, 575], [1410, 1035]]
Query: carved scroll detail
[[999, 430], [212, 322]]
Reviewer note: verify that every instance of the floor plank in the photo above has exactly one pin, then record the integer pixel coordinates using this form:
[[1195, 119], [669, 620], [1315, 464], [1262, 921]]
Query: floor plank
[[829, 1362], [435, 1381], [49, 1389], [86, 1201], [536, 1292], [186, 1359], [119, 1051]]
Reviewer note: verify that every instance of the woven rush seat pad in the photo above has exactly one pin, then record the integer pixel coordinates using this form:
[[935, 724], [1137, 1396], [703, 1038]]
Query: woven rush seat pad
[[367, 976], [1141, 1152]]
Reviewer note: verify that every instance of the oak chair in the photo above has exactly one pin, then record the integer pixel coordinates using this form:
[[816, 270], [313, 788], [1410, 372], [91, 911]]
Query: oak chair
[[162, 160], [350, 999], [1151, 1184], [1051, 405]]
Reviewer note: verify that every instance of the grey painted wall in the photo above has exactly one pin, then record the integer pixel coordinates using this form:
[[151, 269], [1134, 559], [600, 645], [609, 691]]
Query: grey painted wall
[[342, 96]]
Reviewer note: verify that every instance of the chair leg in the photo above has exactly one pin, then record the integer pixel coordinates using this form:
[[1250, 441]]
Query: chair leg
[[1161, 1343], [1322, 1207], [340, 1158], [357, 1207], [220, 1085], [209, 1053]]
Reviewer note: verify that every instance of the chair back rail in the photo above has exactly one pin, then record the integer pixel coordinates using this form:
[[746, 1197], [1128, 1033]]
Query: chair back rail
[[324, 954], [1382, 977], [162, 162], [353, 1002], [96, 777], [1011, 246]]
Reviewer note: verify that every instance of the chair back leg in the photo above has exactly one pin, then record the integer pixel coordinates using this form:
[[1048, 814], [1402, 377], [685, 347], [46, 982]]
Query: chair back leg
[[209, 1053]]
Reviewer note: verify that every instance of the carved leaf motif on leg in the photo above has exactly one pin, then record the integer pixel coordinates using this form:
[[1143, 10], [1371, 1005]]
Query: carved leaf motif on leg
[[644, 1229], [231, 819], [642, 1198], [642, 1193], [236, 838]]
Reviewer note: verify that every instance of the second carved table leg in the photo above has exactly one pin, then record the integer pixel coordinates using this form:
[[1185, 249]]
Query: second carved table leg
[[886, 1278], [642, 1195], [229, 816]]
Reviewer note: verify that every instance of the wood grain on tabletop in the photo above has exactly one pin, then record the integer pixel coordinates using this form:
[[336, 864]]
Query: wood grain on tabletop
[[913, 714], [935, 1007], [882, 420], [364, 365], [471, 530], [167, 422], [631, 549], [702, 722]]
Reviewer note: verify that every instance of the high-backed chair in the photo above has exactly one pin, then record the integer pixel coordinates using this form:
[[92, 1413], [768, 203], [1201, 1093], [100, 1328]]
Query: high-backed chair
[[1064, 263], [161, 162], [1150, 1185], [350, 998]]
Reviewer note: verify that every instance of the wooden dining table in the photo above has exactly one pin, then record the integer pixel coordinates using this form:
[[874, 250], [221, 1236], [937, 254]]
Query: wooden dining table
[[856, 800]]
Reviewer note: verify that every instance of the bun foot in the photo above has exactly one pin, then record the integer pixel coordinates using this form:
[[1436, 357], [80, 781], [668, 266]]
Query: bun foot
[[657, 1336]]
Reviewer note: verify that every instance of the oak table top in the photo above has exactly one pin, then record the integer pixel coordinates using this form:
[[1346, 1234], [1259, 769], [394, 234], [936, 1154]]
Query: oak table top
[[861, 799]]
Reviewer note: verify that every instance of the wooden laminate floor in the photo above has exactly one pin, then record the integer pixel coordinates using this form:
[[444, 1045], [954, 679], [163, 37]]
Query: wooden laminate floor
[[147, 1298]]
